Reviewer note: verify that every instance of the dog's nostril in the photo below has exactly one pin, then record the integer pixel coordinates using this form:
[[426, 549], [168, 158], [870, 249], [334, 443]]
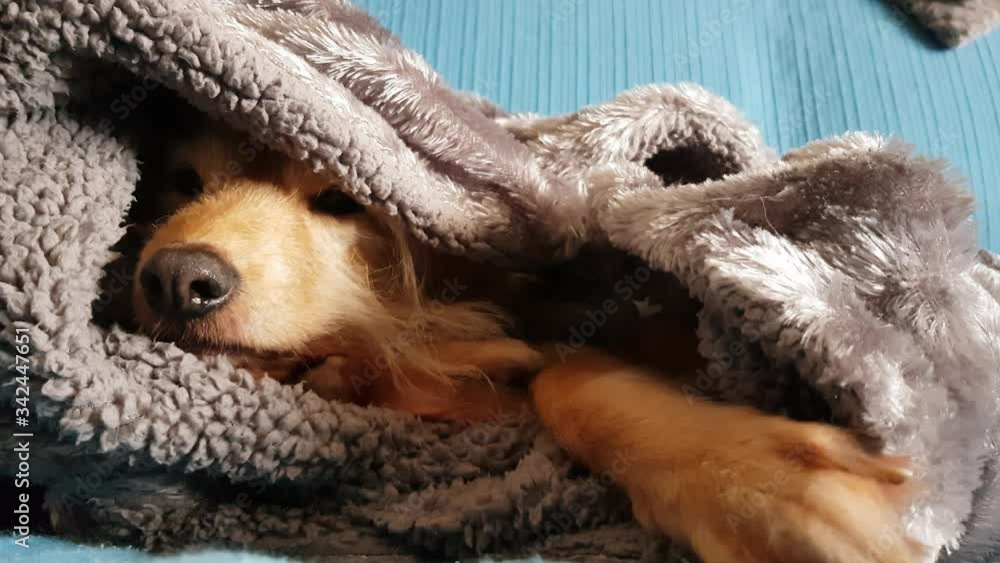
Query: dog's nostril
[[187, 282], [206, 290]]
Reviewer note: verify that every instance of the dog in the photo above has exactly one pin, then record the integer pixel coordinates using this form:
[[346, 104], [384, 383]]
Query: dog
[[257, 256]]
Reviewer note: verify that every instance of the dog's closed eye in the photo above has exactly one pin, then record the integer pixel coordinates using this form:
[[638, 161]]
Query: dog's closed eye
[[335, 202]]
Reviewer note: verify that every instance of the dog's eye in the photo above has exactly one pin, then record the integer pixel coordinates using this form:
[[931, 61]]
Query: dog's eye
[[335, 202], [187, 182]]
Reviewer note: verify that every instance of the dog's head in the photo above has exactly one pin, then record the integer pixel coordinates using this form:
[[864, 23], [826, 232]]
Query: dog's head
[[255, 251]]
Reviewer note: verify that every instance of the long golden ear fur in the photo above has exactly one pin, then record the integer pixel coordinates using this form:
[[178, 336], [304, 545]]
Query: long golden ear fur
[[405, 328]]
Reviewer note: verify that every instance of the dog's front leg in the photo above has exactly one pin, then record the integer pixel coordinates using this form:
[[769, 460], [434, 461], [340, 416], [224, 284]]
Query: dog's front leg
[[735, 484]]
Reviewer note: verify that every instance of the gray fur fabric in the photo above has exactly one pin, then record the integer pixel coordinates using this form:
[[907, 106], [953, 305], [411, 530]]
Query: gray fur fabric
[[842, 280], [954, 22]]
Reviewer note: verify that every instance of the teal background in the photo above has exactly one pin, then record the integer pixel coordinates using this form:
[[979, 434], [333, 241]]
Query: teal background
[[800, 69]]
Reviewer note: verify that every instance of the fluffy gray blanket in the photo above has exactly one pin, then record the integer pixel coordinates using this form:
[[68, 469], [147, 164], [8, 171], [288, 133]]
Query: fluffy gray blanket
[[841, 281]]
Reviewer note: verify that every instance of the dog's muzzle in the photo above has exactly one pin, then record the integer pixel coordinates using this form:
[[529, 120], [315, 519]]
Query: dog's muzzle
[[186, 282]]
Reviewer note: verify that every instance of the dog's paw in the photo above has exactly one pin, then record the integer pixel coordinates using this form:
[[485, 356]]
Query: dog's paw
[[781, 491]]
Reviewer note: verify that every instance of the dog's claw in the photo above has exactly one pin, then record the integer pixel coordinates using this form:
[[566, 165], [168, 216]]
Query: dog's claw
[[892, 469]]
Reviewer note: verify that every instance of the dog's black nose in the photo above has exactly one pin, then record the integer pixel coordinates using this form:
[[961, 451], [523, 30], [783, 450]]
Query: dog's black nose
[[185, 283]]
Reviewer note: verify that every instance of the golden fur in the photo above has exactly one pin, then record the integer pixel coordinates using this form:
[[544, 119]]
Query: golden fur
[[354, 307], [363, 295]]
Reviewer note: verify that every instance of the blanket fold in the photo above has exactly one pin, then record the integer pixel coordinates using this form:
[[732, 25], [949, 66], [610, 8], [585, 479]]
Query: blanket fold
[[840, 282]]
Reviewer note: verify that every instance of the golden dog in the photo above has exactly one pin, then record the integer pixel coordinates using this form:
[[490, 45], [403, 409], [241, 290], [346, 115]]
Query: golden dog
[[262, 259]]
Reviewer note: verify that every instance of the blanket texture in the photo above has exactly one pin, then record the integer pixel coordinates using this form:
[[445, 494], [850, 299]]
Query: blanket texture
[[840, 282], [954, 22]]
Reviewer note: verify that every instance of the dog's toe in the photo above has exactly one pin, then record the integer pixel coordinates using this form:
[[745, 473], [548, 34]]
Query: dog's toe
[[786, 492], [822, 446]]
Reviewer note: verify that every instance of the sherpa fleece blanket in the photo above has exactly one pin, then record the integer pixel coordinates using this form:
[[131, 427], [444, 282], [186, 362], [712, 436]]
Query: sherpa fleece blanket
[[839, 282]]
